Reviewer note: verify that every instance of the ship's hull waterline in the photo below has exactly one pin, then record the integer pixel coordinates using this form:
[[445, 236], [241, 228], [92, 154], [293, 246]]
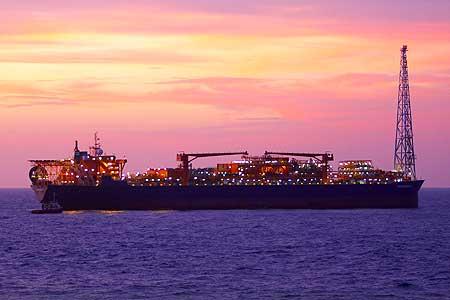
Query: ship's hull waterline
[[125, 197]]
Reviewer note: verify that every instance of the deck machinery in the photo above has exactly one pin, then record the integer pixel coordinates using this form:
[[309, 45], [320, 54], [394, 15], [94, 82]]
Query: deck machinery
[[96, 181]]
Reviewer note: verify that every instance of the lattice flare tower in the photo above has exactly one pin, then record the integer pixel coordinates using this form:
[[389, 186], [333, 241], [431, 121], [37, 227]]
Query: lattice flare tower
[[404, 157]]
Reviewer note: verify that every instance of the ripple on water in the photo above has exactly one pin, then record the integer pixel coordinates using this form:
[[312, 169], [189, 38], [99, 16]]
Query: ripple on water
[[330, 254]]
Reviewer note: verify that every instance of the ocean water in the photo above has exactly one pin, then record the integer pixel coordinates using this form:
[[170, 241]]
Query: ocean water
[[264, 254]]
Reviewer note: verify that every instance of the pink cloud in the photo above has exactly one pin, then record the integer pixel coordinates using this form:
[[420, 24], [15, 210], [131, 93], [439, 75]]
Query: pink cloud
[[330, 99], [286, 18]]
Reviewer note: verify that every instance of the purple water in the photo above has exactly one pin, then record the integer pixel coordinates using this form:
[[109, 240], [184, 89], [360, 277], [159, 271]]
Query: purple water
[[278, 254]]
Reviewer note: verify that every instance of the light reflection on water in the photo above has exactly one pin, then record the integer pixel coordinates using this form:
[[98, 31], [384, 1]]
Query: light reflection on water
[[73, 212], [103, 212], [113, 212], [109, 212]]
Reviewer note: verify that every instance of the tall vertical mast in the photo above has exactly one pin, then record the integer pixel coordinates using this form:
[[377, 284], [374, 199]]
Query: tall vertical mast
[[404, 158], [96, 150]]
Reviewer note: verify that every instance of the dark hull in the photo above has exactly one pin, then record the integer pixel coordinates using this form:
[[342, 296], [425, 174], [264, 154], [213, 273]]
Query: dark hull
[[124, 197]]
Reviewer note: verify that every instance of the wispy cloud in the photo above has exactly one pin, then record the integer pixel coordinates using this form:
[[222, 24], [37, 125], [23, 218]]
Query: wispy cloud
[[99, 57], [307, 99], [20, 101]]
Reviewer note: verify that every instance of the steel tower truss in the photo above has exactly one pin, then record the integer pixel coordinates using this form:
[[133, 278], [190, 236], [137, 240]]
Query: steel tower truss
[[404, 158]]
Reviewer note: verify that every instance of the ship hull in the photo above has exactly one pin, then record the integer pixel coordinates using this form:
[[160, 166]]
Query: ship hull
[[124, 197]]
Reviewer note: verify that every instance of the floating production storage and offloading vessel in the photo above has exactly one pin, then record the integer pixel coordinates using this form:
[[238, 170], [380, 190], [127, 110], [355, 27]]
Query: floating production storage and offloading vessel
[[95, 181]]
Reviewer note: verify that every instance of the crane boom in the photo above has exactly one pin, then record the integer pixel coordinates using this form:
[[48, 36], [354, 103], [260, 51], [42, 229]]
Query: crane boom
[[322, 157], [312, 155], [187, 158]]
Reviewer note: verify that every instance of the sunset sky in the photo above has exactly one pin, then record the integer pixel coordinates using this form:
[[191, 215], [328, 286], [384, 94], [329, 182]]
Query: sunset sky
[[157, 77]]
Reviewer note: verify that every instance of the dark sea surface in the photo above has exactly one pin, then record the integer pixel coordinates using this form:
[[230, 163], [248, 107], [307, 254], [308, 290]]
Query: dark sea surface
[[264, 254]]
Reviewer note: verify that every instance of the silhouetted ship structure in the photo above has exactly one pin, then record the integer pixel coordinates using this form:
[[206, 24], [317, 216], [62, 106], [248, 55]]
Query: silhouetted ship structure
[[275, 180]]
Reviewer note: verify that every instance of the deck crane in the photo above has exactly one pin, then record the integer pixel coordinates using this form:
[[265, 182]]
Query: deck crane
[[187, 158], [324, 158]]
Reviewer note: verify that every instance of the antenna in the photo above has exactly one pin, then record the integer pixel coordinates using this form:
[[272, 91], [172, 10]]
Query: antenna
[[96, 140], [96, 150], [404, 157]]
